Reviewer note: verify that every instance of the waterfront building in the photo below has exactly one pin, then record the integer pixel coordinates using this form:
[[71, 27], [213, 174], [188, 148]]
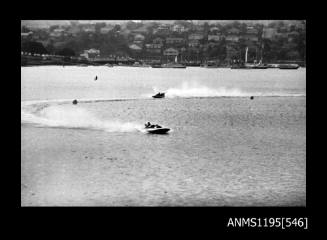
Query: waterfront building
[[91, 53], [170, 52], [153, 48]]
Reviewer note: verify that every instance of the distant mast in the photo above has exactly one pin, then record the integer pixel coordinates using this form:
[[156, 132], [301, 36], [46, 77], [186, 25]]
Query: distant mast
[[261, 52], [246, 54]]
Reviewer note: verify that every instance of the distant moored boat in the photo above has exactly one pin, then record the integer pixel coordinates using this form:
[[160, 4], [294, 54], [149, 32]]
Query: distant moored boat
[[288, 66]]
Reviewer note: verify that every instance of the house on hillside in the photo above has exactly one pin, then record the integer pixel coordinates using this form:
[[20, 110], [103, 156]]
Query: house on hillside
[[214, 30], [251, 34], [232, 38], [194, 43], [214, 37], [58, 32], [26, 36], [163, 29], [106, 29], [233, 31], [170, 52], [153, 48], [91, 53], [269, 33], [135, 47], [179, 28], [139, 37], [141, 30], [89, 29], [158, 41], [174, 40], [195, 36]]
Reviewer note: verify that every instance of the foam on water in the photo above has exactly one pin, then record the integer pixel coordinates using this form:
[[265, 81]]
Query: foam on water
[[69, 116], [187, 90]]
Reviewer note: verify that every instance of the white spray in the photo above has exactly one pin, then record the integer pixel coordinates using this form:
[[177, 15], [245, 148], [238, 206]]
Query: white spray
[[66, 116]]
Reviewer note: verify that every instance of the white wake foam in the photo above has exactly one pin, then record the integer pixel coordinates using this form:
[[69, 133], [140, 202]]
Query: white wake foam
[[187, 90], [72, 116]]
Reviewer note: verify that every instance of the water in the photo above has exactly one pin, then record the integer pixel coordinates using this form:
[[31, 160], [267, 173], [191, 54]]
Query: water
[[223, 150], [53, 82]]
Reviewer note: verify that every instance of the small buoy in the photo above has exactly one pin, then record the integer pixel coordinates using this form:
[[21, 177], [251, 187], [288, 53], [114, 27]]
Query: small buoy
[[251, 97], [75, 101]]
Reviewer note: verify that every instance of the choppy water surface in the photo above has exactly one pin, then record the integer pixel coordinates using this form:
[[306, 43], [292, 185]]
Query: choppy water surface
[[224, 149]]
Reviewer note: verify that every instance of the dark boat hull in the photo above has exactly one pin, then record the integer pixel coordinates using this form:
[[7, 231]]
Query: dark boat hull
[[259, 67], [156, 66], [158, 130], [159, 95], [240, 67], [288, 67]]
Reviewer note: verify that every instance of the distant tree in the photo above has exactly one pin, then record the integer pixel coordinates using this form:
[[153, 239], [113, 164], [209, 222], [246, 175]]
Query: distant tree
[[301, 44], [293, 55], [236, 24], [33, 47], [53, 27], [117, 28], [292, 28], [66, 52], [25, 29], [130, 25], [98, 26], [183, 23], [206, 28], [272, 24], [50, 48], [280, 24], [243, 27]]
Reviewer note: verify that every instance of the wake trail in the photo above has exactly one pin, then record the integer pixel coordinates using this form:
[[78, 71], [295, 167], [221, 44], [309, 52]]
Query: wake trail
[[44, 114], [189, 90]]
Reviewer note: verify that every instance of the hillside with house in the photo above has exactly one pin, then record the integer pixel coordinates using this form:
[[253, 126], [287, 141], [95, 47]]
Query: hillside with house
[[151, 41]]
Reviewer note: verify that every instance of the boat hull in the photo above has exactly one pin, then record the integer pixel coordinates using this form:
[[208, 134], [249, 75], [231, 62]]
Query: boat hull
[[288, 67], [157, 130], [159, 95]]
